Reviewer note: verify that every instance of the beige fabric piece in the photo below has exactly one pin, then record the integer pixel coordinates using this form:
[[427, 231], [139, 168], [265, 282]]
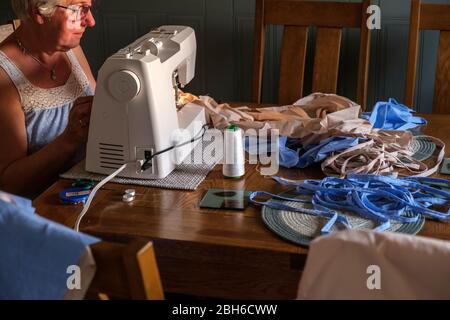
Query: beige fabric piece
[[385, 153], [410, 267], [310, 119]]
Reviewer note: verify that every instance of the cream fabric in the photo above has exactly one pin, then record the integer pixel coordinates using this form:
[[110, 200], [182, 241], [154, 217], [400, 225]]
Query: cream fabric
[[411, 267], [310, 119]]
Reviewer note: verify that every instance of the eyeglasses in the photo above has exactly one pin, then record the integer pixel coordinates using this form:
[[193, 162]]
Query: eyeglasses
[[81, 11]]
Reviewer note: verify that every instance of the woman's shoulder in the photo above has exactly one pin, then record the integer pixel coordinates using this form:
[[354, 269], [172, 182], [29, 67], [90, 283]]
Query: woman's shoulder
[[8, 47], [8, 54], [8, 91], [82, 60]]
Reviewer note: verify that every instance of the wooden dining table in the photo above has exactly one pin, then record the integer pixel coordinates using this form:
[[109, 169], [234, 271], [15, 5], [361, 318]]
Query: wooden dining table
[[210, 252]]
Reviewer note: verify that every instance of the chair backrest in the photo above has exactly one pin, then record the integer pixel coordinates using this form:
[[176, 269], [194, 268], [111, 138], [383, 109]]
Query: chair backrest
[[361, 264], [7, 29], [126, 272], [297, 17], [426, 16]]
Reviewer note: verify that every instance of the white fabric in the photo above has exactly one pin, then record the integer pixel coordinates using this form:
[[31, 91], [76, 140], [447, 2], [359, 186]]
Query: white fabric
[[411, 267]]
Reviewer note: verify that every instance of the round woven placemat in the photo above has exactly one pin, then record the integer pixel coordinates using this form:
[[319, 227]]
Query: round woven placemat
[[303, 228], [422, 147]]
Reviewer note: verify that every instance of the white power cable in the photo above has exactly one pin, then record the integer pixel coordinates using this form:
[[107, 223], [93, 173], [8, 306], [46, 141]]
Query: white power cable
[[94, 191], [140, 164]]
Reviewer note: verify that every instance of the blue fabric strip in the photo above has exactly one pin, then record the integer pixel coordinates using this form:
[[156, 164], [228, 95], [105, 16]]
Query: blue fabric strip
[[291, 155], [378, 198]]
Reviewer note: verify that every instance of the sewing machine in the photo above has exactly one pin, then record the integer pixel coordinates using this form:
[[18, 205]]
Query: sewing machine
[[134, 113]]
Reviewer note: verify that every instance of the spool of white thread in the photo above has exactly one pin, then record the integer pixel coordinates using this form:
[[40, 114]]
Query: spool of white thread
[[233, 153]]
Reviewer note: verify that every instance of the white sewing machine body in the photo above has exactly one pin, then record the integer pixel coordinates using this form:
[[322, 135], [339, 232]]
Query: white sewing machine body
[[134, 111]]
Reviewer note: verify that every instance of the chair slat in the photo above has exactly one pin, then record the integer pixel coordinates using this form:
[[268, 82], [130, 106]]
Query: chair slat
[[441, 102], [258, 51], [292, 68], [435, 17], [296, 17], [147, 282], [326, 61], [364, 58], [430, 17], [126, 271], [310, 13], [413, 51]]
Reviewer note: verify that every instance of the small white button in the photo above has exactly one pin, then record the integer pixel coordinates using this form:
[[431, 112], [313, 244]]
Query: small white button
[[127, 198]]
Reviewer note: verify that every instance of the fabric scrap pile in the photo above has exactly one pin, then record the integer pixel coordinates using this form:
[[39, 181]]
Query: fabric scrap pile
[[309, 120], [329, 129], [382, 199]]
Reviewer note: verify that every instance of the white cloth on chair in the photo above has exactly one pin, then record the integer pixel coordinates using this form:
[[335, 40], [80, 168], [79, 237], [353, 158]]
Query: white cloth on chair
[[369, 265]]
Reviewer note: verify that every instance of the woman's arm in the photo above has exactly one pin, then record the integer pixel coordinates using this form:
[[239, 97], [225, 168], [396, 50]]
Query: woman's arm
[[28, 174]]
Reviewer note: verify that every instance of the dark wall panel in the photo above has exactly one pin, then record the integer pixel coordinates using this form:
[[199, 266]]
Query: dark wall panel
[[224, 30]]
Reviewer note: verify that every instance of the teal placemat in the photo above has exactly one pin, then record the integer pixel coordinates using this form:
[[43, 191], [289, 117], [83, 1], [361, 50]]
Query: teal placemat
[[422, 147], [303, 228]]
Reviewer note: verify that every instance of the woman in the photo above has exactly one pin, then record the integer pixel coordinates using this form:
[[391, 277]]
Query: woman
[[46, 89]]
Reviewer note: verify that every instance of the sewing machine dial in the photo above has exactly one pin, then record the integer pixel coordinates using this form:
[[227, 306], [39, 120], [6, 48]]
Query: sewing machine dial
[[124, 85], [152, 46]]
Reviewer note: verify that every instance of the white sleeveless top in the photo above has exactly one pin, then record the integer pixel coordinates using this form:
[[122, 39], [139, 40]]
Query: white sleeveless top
[[47, 110]]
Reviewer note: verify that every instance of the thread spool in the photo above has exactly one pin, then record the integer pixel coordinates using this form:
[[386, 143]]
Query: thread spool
[[233, 153]]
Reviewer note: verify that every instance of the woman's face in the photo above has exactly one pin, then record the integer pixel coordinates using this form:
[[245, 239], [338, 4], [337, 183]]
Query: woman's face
[[68, 24]]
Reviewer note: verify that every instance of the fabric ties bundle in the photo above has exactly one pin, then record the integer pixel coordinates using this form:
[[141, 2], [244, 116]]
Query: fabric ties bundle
[[378, 198]]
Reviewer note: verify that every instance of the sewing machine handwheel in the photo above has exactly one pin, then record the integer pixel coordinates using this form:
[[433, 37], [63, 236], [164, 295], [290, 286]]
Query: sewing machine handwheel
[[124, 85]]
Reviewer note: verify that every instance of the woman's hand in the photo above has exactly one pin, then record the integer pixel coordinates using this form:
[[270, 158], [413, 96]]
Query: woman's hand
[[77, 129]]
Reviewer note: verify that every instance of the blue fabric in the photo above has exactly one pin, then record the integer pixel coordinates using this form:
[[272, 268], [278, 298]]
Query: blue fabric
[[35, 252], [290, 150], [43, 126], [392, 115], [318, 153]]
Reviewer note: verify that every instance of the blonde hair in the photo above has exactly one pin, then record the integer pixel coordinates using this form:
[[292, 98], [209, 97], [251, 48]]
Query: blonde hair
[[45, 7]]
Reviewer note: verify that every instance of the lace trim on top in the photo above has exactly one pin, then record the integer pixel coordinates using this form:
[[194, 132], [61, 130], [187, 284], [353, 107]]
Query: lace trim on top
[[34, 98]]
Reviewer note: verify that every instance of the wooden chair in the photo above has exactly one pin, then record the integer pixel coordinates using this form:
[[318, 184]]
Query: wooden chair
[[7, 29], [430, 17], [297, 16], [125, 272]]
